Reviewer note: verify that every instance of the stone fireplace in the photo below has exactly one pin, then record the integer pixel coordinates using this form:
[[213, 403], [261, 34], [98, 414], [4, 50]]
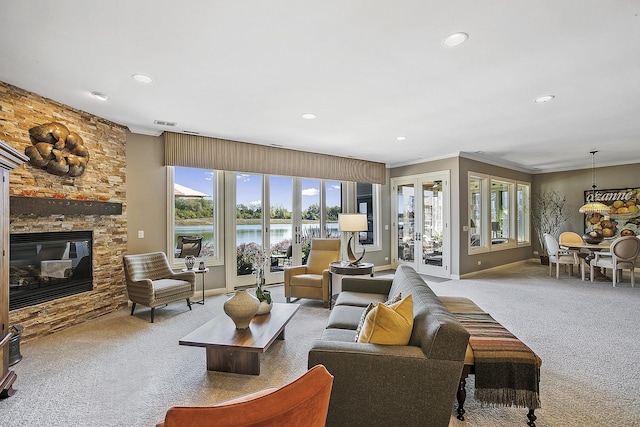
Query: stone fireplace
[[42, 202]]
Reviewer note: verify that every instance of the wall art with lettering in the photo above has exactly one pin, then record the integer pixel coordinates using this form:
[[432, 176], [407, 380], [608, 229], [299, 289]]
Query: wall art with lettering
[[623, 218]]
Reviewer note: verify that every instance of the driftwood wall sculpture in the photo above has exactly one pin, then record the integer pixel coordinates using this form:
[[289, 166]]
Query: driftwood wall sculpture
[[57, 150]]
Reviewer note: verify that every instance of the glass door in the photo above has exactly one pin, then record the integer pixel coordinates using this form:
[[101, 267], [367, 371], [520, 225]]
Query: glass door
[[249, 236], [421, 227], [275, 217], [280, 197]]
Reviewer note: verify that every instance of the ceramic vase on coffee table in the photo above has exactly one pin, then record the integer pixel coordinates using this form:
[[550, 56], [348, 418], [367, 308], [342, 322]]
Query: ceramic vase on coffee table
[[241, 308]]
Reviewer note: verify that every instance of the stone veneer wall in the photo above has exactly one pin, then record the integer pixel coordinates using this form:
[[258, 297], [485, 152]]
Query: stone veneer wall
[[104, 180]]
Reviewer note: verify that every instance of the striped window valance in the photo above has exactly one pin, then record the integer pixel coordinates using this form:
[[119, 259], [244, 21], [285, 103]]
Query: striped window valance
[[221, 154]]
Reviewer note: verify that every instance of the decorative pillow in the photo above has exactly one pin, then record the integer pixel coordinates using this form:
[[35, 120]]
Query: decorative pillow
[[389, 325], [370, 307]]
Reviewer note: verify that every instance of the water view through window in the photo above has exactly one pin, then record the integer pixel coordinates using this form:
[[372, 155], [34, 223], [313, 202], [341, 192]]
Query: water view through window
[[195, 210]]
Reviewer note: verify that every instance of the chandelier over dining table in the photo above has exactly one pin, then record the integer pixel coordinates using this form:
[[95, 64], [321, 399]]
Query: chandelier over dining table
[[593, 206]]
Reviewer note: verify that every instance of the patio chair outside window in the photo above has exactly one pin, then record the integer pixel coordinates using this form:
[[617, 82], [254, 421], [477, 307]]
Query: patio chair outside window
[[189, 245]]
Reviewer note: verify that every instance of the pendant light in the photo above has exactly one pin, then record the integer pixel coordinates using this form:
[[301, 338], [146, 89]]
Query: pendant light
[[593, 206]]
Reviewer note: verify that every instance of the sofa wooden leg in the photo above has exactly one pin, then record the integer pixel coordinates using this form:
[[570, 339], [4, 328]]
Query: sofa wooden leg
[[133, 307], [152, 310], [288, 300], [532, 418], [461, 396], [189, 304]]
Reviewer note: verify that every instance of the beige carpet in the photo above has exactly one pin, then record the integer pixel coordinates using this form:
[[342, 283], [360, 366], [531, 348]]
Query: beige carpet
[[120, 370]]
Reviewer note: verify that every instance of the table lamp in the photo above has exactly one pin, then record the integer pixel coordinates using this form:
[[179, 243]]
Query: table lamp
[[352, 223]]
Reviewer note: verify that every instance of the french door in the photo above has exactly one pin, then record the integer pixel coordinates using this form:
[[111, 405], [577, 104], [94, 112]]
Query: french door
[[421, 222]]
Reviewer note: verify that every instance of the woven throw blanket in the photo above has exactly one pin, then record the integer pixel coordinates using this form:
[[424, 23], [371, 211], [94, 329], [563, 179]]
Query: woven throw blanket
[[506, 370]]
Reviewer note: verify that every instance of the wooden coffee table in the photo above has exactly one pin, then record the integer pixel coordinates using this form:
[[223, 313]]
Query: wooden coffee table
[[238, 350]]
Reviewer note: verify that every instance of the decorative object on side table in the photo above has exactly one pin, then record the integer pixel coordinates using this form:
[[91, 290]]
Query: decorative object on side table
[[189, 261], [352, 223], [241, 308], [264, 296]]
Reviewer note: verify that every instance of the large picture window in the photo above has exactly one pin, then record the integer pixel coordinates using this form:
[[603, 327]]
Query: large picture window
[[194, 229]]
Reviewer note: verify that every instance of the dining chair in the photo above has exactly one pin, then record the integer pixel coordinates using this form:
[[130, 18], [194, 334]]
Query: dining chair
[[557, 256], [622, 255], [572, 239]]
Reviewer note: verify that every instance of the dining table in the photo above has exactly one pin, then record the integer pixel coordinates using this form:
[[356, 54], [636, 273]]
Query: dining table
[[591, 249]]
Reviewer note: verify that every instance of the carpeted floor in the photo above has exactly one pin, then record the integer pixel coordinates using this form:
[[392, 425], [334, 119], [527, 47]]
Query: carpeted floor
[[120, 370]]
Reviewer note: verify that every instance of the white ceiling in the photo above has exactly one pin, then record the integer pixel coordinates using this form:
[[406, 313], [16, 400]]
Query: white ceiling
[[370, 70]]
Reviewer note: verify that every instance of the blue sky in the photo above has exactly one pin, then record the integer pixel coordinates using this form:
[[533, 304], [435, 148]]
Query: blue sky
[[249, 188]]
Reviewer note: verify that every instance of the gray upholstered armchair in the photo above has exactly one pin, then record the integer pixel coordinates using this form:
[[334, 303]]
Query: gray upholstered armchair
[[152, 282]]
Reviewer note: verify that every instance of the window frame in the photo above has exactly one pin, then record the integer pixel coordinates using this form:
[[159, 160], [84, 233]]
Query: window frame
[[376, 191], [486, 184]]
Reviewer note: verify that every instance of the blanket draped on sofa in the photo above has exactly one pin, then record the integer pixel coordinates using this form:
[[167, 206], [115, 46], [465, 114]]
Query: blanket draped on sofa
[[506, 370]]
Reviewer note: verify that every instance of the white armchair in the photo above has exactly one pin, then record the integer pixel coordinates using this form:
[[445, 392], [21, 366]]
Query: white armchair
[[557, 257]]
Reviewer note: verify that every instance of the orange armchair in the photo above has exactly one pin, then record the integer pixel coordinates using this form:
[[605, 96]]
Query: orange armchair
[[303, 402], [313, 279]]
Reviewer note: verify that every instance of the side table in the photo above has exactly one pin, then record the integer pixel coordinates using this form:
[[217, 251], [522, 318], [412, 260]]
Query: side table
[[345, 269], [202, 273]]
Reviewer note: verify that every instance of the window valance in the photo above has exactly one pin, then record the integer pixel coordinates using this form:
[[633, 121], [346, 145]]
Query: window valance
[[221, 154]]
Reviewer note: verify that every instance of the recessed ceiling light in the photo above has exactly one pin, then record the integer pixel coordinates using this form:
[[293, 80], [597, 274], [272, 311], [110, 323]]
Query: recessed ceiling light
[[401, 138], [99, 95], [544, 98], [309, 116], [455, 39], [142, 78]]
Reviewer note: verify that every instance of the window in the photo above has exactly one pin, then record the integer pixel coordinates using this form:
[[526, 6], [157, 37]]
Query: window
[[333, 206], [477, 190], [501, 197], [367, 202], [498, 213], [522, 211], [195, 216]]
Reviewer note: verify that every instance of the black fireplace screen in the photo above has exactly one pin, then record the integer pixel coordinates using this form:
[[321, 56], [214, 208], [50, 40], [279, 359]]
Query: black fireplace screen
[[47, 266]]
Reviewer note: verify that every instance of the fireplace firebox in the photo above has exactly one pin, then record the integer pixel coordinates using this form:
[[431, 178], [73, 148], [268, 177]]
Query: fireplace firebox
[[47, 266]]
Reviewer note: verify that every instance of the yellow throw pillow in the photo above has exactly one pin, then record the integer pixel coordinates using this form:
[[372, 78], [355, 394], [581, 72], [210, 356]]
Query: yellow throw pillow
[[389, 325], [369, 308]]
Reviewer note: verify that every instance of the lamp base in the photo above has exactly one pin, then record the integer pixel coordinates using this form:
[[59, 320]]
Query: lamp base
[[352, 258]]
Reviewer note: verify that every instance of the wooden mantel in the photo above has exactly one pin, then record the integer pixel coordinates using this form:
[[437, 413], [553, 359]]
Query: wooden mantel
[[43, 206]]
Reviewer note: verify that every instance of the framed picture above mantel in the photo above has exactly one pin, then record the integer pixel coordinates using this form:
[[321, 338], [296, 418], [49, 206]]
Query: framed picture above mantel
[[623, 218]]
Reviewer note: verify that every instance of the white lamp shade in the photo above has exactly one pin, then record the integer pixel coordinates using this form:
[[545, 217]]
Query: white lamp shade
[[352, 222]]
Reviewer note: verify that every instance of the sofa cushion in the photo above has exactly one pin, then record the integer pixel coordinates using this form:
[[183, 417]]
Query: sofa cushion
[[359, 299], [340, 335], [390, 325], [164, 288], [312, 280], [345, 317]]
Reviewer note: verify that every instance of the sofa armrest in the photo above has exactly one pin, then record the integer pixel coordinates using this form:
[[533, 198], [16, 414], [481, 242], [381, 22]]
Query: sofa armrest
[[364, 374], [370, 285]]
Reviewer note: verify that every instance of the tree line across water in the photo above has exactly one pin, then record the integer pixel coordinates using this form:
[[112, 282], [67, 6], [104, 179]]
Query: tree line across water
[[203, 208]]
